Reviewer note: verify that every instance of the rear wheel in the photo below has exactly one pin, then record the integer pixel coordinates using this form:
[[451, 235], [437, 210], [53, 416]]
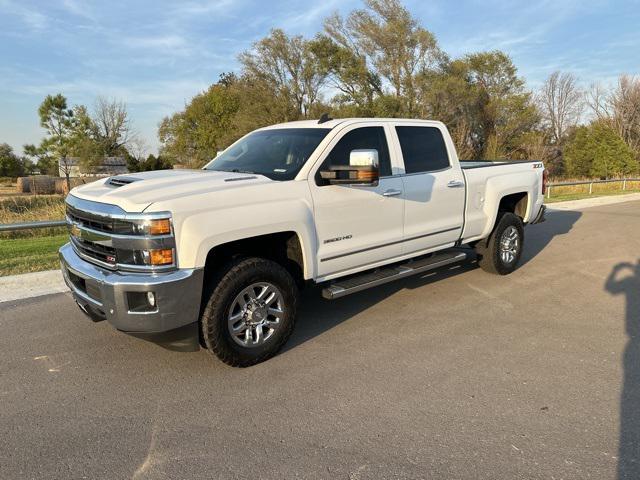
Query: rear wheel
[[501, 252], [250, 313]]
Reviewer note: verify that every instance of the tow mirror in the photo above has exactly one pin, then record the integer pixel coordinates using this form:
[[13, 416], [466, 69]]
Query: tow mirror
[[362, 170]]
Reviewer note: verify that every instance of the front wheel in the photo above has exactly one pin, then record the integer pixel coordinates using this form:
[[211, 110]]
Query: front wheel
[[250, 313], [501, 252]]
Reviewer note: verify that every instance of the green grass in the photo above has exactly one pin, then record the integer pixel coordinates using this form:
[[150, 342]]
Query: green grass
[[33, 254], [562, 197]]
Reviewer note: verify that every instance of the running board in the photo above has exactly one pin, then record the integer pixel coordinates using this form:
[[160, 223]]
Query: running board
[[383, 275]]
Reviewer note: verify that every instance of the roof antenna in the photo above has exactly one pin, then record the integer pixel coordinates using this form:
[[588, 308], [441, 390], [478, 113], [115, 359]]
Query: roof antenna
[[324, 118]]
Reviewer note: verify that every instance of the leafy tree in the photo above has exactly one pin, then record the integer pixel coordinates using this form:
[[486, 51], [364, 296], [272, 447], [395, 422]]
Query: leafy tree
[[39, 156], [483, 102], [84, 146], [381, 47], [287, 66], [597, 150], [57, 119], [347, 72], [10, 164], [156, 163], [193, 136], [505, 109]]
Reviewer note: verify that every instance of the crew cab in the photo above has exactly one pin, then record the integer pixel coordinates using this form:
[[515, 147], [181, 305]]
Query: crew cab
[[348, 204]]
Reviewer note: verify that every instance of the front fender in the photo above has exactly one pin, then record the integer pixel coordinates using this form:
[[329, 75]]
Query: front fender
[[202, 231]]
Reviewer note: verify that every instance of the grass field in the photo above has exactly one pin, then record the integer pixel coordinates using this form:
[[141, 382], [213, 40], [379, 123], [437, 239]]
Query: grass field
[[23, 255], [31, 208], [563, 197]]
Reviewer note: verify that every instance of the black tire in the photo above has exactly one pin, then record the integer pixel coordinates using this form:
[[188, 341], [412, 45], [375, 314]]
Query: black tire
[[229, 282], [489, 253]]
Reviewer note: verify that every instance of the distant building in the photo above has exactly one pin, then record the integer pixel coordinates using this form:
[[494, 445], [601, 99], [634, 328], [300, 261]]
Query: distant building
[[109, 166]]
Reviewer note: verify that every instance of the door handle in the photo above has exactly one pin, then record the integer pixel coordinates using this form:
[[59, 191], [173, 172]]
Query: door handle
[[392, 193], [455, 184]]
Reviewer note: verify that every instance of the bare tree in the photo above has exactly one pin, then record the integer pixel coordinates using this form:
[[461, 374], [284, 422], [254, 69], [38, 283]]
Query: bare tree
[[138, 148], [619, 108], [624, 105], [596, 99], [112, 125], [561, 102]]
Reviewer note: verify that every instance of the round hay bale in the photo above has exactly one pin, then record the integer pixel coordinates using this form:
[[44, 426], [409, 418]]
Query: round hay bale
[[43, 185], [61, 186], [23, 185]]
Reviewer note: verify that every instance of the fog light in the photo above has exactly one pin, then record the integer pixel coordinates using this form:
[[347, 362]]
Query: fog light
[[161, 257], [151, 298]]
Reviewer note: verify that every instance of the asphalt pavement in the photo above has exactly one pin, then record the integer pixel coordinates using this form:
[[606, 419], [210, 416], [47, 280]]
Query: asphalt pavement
[[457, 374]]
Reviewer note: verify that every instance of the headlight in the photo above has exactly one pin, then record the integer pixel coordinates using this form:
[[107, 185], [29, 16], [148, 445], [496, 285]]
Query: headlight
[[157, 226]]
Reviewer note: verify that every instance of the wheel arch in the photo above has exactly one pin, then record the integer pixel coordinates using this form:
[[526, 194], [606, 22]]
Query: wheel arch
[[284, 247]]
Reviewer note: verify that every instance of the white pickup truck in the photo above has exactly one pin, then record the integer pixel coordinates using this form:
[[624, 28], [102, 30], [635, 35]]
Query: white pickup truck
[[348, 204]]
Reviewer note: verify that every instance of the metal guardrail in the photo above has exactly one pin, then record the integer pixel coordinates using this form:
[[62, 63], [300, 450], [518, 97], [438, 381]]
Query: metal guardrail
[[591, 183], [14, 227]]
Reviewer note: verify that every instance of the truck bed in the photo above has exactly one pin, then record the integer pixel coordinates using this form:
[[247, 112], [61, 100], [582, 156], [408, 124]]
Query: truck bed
[[486, 186], [467, 164]]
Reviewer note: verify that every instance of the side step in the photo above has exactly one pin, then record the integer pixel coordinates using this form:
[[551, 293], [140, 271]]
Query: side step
[[363, 281]]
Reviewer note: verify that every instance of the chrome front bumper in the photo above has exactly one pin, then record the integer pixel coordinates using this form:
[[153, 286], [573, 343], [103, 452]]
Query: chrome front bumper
[[107, 294]]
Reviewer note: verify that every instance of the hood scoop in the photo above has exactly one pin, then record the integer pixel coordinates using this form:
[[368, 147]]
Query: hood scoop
[[121, 181]]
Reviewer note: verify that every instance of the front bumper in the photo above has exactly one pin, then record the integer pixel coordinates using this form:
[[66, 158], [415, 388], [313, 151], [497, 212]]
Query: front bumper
[[106, 293]]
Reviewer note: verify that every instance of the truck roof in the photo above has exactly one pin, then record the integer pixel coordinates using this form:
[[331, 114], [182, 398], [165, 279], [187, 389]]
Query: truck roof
[[329, 124]]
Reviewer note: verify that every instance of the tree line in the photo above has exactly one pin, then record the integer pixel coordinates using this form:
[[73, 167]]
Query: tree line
[[378, 61], [85, 136]]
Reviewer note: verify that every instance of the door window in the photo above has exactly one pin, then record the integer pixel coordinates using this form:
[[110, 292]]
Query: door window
[[359, 138], [423, 149]]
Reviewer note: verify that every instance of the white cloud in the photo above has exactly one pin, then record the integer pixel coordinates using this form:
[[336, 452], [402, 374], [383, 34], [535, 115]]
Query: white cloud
[[32, 18], [80, 9], [169, 41]]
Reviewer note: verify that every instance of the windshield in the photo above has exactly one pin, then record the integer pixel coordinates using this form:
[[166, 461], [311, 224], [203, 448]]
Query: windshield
[[278, 153]]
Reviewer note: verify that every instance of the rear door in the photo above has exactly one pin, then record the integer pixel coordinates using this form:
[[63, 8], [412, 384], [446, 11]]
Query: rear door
[[357, 226], [433, 188]]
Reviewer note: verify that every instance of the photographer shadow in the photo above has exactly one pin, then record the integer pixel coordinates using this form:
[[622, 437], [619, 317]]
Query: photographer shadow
[[629, 447]]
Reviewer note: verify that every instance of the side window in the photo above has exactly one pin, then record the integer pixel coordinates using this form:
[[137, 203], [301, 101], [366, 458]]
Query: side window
[[423, 149], [361, 138]]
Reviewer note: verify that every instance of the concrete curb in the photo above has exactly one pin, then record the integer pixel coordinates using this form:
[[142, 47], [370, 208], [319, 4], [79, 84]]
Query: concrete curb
[[28, 285], [593, 202]]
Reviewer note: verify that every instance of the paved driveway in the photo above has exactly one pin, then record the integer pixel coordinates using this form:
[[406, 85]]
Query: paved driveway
[[457, 374]]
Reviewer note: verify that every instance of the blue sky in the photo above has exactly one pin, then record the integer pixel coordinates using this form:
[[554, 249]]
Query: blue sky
[[155, 55]]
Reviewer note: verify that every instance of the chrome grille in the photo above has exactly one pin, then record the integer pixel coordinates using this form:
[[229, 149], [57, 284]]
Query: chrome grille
[[105, 255], [99, 223], [110, 237]]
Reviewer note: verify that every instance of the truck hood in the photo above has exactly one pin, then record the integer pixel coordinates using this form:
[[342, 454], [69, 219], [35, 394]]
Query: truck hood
[[137, 191]]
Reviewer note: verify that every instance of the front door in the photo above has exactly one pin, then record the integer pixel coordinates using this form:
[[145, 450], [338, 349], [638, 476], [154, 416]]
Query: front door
[[357, 226]]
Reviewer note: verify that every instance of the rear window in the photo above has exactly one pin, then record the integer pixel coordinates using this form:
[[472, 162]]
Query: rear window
[[423, 149]]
